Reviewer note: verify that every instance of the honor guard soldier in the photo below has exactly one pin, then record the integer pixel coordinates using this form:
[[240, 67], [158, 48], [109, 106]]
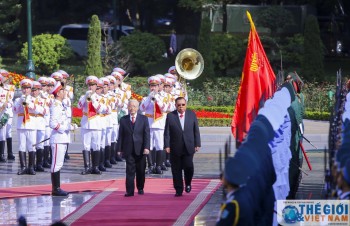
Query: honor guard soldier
[[68, 99], [90, 126], [9, 110], [3, 117], [59, 139], [116, 103], [237, 209], [26, 109], [123, 96], [153, 107], [40, 123]]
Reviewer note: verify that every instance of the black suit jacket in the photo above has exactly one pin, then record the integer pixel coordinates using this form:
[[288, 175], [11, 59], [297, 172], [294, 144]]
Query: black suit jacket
[[175, 138], [133, 139]]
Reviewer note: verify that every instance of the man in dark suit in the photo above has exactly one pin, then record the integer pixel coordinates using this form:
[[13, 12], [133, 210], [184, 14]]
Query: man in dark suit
[[181, 140], [134, 142]]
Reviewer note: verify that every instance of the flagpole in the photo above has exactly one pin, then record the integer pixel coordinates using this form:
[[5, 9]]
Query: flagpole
[[252, 26]]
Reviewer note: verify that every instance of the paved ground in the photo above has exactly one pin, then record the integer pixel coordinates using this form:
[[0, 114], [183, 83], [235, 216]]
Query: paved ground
[[46, 209]]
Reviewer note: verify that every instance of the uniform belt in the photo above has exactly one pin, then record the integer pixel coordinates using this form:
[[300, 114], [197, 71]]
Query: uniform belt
[[114, 110], [150, 115], [31, 114]]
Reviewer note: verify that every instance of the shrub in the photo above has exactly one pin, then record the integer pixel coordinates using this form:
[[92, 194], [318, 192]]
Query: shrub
[[94, 63], [48, 50], [227, 51], [144, 49]]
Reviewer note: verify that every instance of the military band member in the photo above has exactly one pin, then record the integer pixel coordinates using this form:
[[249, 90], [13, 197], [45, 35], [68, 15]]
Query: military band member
[[4, 102], [11, 92], [103, 122], [178, 87], [123, 103], [116, 103], [153, 107], [110, 102], [68, 99], [59, 138], [123, 86], [40, 125], [90, 126], [26, 109]]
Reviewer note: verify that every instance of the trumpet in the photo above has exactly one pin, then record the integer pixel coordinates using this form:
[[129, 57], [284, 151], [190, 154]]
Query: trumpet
[[88, 95], [25, 100]]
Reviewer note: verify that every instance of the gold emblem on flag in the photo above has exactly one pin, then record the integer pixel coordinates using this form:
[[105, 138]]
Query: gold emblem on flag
[[254, 65]]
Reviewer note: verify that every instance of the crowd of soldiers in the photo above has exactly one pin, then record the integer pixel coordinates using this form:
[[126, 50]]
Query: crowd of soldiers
[[267, 165], [103, 105]]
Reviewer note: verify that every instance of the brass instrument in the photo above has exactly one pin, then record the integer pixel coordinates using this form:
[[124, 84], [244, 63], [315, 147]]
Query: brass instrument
[[25, 100], [189, 64], [88, 95]]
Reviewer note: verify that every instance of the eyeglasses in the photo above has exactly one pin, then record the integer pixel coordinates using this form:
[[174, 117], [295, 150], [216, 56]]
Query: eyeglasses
[[181, 105]]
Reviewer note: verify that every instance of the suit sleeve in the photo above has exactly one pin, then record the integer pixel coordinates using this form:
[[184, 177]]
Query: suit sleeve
[[146, 138], [197, 136], [167, 132], [120, 136]]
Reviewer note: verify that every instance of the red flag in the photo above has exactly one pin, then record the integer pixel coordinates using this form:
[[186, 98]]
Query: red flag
[[157, 112], [91, 110], [257, 85]]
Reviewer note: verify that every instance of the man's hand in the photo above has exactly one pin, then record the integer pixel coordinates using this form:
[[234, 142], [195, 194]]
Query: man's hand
[[167, 150], [196, 149], [145, 151]]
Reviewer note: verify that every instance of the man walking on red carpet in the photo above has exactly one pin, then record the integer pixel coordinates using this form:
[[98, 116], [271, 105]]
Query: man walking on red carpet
[[134, 142], [181, 140]]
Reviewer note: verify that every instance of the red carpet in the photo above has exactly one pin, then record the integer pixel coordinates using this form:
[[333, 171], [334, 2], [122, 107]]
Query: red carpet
[[157, 206], [25, 191]]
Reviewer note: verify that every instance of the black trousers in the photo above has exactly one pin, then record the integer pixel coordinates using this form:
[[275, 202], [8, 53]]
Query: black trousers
[[178, 163], [135, 164]]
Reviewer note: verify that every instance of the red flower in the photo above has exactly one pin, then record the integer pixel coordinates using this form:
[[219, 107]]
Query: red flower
[[211, 114]]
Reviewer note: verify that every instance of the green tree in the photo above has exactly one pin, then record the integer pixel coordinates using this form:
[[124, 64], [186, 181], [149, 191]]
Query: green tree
[[94, 62], [205, 48], [267, 18], [48, 50], [143, 48], [9, 16], [227, 51], [312, 66]]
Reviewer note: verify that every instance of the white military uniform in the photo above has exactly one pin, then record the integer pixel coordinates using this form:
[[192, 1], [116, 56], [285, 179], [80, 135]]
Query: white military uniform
[[156, 123], [59, 139]]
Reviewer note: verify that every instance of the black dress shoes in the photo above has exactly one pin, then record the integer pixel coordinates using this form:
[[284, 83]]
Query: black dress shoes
[[188, 188], [128, 194], [141, 192], [178, 194]]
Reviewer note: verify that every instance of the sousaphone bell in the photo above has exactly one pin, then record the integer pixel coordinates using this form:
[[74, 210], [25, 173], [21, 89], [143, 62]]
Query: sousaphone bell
[[189, 64]]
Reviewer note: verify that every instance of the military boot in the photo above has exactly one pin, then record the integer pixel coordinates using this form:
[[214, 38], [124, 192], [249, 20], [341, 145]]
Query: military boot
[[39, 160], [31, 161], [10, 155], [22, 163], [86, 158], [55, 180]]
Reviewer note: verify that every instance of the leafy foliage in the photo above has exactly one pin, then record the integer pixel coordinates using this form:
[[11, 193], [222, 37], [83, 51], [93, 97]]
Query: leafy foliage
[[276, 18], [144, 49], [293, 51], [94, 63], [48, 50], [195, 5], [205, 48], [227, 51], [9, 16], [313, 50]]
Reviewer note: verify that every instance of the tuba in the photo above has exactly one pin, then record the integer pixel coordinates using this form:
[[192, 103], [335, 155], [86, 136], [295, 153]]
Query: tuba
[[189, 64]]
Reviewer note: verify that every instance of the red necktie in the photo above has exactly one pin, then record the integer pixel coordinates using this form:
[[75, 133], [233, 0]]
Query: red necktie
[[132, 120], [181, 115]]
